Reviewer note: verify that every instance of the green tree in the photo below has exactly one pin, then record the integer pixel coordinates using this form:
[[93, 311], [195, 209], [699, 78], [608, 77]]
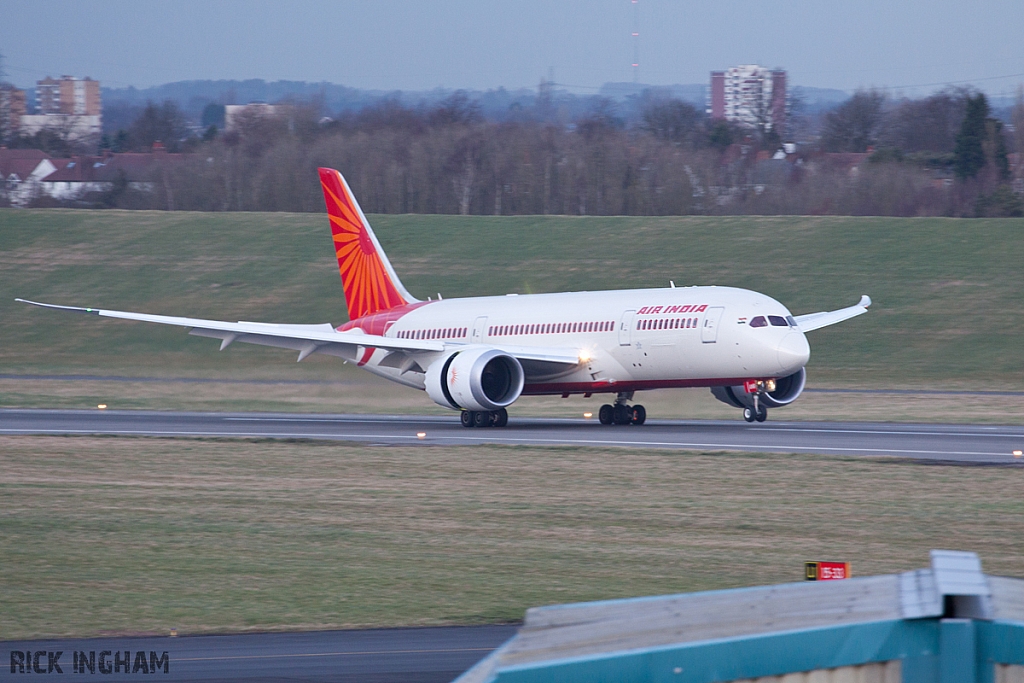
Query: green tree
[[969, 153], [1002, 203], [213, 115], [995, 149], [721, 135]]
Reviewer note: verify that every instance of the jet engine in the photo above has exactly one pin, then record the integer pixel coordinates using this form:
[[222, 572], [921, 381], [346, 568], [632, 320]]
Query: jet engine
[[479, 379], [787, 389]]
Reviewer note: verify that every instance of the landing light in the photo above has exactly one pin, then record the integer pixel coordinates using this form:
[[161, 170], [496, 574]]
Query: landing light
[[585, 356], [753, 386], [590, 415], [1017, 454]]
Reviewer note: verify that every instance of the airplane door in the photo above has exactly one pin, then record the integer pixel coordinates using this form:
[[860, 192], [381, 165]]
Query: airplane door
[[709, 333], [626, 328], [478, 329]]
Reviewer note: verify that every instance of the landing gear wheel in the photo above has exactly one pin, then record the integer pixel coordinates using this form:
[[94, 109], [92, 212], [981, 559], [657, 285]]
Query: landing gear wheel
[[749, 415], [621, 414], [605, 414], [762, 414], [638, 415], [481, 418], [499, 418], [466, 418]]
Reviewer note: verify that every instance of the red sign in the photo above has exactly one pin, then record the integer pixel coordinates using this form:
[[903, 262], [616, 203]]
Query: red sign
[[750, 386], [826, 571]]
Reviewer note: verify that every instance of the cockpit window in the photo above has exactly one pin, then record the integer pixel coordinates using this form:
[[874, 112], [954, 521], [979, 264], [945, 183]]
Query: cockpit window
[[791, 321], [777, 321], [759, 321]]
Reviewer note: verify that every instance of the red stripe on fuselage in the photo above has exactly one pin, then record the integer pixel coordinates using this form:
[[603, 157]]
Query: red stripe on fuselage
[[550, 388], [378, 322]]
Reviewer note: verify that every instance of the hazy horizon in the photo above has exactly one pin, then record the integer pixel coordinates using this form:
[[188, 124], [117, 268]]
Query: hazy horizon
[[912, 48]]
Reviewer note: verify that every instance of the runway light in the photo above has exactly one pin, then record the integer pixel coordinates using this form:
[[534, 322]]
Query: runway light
[[1017, 454], [421, 435], [102, 406], [174, 633], [588, 415]]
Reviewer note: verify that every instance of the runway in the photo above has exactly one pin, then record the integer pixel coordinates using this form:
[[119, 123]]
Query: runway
[[400, 655], [967, 444]]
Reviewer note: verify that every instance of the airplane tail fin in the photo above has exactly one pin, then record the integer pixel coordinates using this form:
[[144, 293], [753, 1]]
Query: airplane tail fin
[[369, 281]]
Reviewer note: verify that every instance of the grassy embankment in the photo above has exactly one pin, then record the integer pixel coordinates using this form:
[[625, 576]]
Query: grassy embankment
[[947, 315], [124, 535]]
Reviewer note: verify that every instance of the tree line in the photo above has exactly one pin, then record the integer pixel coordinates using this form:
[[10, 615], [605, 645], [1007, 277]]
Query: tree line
[[941, 155]]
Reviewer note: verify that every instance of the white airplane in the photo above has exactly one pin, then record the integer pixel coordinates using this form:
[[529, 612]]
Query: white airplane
[[478, 355]]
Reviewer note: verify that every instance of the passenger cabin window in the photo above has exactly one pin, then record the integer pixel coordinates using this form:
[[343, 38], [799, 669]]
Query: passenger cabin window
[[777, 321], [759, 321]]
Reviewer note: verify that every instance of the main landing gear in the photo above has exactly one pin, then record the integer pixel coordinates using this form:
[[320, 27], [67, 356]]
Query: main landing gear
[[621, 413], [484, 418]]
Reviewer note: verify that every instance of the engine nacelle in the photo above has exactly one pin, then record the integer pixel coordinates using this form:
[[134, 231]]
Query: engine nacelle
[[475, 379], [787, 390]]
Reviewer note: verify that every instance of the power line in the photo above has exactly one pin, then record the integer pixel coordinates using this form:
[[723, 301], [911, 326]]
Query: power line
[[967, 80]]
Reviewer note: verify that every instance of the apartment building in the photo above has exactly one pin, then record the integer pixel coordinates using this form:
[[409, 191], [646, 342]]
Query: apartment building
[[750, 95], [70, 106], [69, 95]]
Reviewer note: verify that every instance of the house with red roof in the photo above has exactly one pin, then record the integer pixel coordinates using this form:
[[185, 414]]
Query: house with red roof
[[21, 174], [79, 176]]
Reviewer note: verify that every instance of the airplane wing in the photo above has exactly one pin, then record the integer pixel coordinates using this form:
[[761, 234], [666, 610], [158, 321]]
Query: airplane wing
[[814, 321], [302, 338], [321, 338]]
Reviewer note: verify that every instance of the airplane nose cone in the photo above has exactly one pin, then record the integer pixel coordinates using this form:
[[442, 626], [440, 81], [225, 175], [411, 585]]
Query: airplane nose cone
[[794, 352]]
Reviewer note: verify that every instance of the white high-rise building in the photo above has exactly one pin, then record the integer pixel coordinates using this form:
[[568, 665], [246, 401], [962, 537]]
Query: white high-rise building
[[749, 95]]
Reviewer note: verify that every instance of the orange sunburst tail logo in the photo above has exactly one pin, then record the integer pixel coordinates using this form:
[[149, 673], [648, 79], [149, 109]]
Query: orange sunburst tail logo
[[367, 277]]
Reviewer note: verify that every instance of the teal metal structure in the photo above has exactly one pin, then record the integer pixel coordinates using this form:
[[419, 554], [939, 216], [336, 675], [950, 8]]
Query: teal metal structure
[[939, 637]]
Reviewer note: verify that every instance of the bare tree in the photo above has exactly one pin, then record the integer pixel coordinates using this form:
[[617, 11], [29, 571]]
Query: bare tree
[[673, 121], [926, 125], [1017, 117], [854, 125]]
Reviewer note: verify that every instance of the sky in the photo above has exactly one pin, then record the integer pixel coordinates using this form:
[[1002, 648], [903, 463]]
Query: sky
[[911, 46]]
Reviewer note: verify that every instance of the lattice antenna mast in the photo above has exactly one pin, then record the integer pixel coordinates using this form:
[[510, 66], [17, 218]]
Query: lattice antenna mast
[[636, 41]]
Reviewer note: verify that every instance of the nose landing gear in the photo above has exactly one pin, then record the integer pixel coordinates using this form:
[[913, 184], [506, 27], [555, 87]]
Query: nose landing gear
[[758, 413], [484, 418], [621, 413]]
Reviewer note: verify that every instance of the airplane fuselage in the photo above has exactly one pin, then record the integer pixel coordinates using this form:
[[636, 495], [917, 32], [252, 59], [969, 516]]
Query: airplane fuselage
[[628, 340]]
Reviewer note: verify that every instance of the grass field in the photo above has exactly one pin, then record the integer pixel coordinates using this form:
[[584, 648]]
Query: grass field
[[948, 307], [122, 535], [126, 535]]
